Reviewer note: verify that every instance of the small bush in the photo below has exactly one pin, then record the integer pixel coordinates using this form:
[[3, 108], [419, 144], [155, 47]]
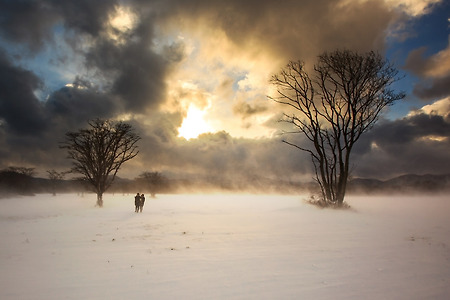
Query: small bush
[[318, 201]]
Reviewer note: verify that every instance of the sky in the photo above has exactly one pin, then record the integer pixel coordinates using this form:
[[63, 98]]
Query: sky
[[192, 77]]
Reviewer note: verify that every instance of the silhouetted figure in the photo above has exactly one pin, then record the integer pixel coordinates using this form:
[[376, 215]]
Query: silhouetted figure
[[141, 206], [137, 202]]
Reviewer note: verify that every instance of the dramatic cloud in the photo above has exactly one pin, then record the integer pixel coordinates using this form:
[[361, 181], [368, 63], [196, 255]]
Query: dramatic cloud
[[441, 108], [19, 108], [27, 22], [414, 7], [417, 143], [63, 63], [436, 69]]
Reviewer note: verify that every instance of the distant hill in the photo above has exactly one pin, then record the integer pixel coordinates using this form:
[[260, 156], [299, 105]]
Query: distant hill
[[428, 183]]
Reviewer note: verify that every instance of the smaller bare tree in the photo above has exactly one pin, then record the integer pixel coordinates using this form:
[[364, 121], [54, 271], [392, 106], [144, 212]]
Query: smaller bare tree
[[99, 151], [55, 177], [29, 172], [153, 181]]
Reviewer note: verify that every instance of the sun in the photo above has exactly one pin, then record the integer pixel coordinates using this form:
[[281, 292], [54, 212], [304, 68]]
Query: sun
[[193, 124]]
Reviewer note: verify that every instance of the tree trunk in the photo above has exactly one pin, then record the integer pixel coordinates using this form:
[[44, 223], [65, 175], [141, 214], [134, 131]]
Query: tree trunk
[[100, 199], [340, 196], [343, 177]]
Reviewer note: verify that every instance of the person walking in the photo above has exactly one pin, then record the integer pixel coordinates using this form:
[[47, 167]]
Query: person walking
[[137, 202], [141, 206]]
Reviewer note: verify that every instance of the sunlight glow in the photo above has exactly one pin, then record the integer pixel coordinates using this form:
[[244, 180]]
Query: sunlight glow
[[374, 146], [122, 21], [193, 124], [434, 138]]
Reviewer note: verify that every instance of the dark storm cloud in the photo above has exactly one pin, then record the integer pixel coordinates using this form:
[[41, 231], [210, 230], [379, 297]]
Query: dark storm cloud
[[410, 129], [135, 72], [77, 105], [19, 107], [32, 130], [415, 61], [292, 29], [31, 22], [434, 70], [86, 16], [416, 144], [27, 22], [138, 74], [435, 89], [130, 73]]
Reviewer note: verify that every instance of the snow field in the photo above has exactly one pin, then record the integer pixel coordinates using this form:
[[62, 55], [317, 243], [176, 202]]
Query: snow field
[[224, 247]]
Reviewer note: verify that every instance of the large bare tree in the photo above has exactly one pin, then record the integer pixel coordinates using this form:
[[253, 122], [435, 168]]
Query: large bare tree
[[99, 151], [337, 101]]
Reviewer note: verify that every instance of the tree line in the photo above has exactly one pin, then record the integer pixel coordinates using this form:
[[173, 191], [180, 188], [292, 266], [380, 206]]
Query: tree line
[[22, 181]]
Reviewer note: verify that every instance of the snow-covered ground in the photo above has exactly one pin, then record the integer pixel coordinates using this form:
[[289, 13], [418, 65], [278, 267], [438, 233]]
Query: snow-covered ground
[[224, 247]]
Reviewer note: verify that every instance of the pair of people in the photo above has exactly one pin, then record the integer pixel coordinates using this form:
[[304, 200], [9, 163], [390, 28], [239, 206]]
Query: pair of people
[[139, 201]]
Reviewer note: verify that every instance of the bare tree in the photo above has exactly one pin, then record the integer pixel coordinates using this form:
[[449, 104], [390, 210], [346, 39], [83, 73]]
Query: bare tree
[[153, 181], [54, 177], [99, 152], [29, 172], [341, 100]]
